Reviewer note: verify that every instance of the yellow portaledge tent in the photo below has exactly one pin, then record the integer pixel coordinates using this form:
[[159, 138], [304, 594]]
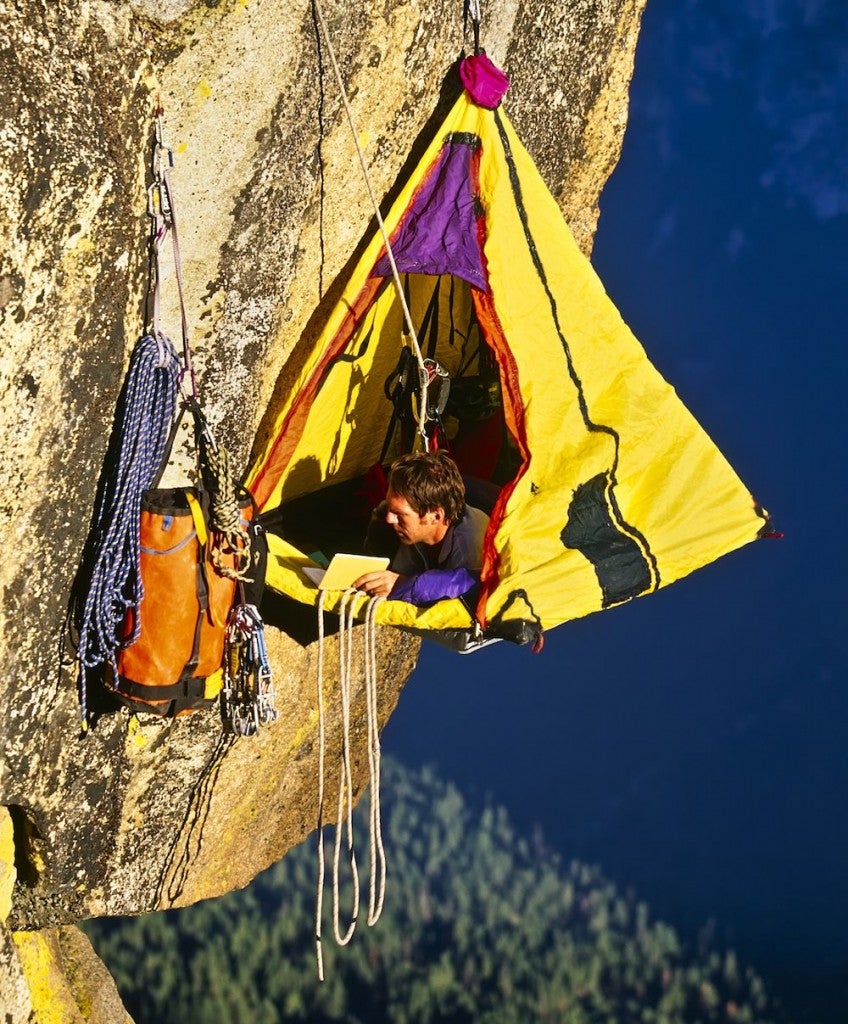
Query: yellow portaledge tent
[[608, 487]]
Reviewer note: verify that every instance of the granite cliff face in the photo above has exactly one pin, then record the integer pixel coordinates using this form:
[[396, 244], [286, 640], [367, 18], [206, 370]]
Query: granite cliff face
[[144, 814]]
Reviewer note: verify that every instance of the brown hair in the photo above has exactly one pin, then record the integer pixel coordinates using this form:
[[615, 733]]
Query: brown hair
[[429, 480]]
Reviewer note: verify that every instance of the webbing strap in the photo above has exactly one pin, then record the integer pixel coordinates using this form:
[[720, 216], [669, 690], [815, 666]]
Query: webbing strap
[[162, 210], [190, 688], [197, 517]]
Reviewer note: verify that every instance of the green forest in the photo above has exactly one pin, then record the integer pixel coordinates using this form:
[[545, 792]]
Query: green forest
[[480, 925]]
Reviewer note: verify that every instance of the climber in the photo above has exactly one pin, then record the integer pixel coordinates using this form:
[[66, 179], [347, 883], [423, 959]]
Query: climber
[[441, 537]]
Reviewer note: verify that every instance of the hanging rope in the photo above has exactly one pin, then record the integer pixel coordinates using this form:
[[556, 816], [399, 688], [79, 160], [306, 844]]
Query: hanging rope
[[413, 337], [319, 901], [377, 853], [344, 819], [143, 426]]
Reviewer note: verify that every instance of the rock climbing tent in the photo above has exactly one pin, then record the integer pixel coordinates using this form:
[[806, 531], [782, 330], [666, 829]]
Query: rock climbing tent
[[608, 487]]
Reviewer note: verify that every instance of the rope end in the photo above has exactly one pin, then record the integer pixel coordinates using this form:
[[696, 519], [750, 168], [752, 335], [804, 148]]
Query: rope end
[[319, 957]]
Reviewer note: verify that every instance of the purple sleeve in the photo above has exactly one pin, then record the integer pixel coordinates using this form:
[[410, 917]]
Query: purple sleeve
[[433, 585]]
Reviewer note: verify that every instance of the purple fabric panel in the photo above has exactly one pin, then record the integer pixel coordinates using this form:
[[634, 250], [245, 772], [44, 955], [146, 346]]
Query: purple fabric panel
[[484, 83], [438, 234], [432, 585]]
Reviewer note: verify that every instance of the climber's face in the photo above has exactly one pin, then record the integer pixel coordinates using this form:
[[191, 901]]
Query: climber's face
[[410, 526]]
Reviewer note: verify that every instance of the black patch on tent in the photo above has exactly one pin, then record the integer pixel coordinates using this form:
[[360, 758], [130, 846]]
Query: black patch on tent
[[464, 139], [621, 567], [616, 583]]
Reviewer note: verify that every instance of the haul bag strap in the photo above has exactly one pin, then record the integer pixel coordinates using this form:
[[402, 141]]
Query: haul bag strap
[[197, 516], [191, 688]]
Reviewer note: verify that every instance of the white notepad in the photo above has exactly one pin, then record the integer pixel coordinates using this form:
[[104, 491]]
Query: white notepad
[[343, 570]]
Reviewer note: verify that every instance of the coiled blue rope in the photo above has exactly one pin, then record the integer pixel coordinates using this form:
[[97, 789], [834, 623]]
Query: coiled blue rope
[[145, 419]]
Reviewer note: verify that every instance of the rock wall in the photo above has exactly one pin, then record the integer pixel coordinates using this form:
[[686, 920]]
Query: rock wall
[[141, 813]]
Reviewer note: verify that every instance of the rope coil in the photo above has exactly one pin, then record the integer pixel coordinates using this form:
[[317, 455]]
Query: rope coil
[[141, 429], [230, 534]]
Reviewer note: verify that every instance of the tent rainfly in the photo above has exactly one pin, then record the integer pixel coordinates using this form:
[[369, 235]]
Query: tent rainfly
[[607, 487]]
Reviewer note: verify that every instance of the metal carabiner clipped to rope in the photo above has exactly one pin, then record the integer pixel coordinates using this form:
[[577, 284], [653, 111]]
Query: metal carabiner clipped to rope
[[163, 161]]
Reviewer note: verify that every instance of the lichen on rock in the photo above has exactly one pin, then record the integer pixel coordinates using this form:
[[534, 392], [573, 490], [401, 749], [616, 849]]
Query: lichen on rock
[[272, 206]]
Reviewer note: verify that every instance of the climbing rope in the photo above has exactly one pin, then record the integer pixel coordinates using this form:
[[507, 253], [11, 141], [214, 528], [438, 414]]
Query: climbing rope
[[143, 426], [229, 530], [423, 379], [377, 853], [344, 816], [319, 901], [344, 819]]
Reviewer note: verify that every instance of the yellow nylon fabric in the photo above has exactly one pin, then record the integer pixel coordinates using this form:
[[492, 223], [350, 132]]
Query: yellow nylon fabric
[[284, 575], [599, 420]]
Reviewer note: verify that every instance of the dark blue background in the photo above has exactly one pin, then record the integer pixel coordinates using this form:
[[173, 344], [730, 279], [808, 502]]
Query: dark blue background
[[692, 743]]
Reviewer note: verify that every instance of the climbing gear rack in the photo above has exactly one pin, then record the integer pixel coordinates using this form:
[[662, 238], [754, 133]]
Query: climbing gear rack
[[248, 694]]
